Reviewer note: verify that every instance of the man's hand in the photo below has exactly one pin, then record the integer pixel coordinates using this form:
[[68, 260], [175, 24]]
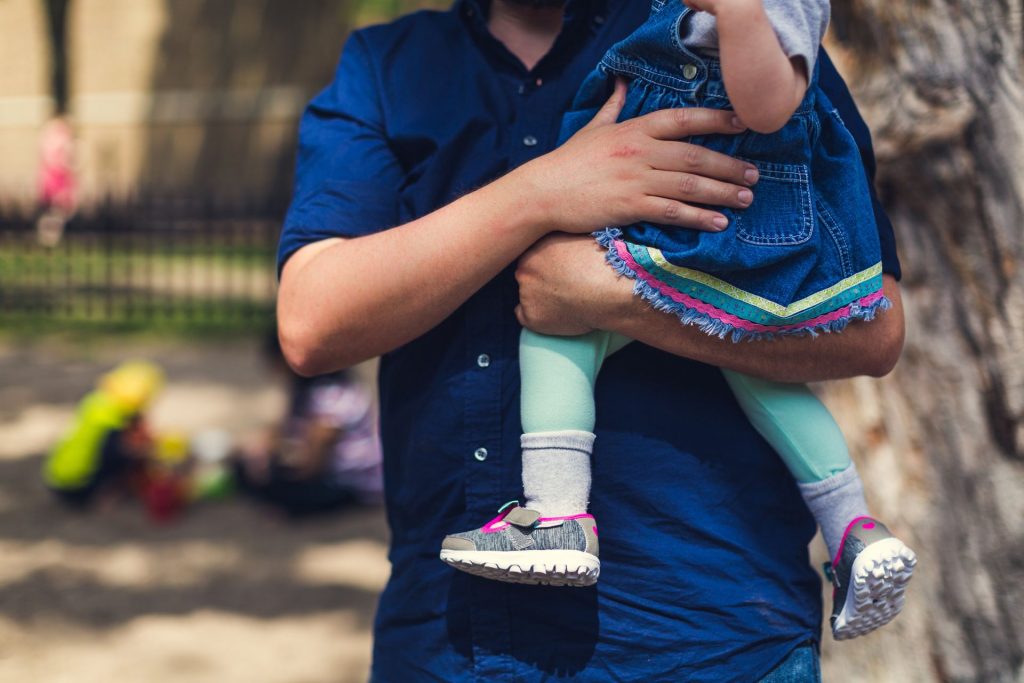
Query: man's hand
[[566, 288], [638, 171]]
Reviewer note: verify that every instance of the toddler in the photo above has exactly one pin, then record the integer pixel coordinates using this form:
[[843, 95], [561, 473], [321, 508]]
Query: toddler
[[804, 258]]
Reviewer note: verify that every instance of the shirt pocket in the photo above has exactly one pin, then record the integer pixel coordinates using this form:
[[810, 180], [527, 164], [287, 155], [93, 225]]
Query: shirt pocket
[[783, 211]]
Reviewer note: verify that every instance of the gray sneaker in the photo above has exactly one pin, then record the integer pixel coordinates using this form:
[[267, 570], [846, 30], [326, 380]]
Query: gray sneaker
[[520, 546], [869, 576]]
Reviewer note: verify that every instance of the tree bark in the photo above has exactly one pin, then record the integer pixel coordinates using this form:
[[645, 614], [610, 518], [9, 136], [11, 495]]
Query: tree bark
[[941, 441]]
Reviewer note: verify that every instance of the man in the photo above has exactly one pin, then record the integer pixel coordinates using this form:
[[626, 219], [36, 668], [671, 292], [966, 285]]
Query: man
[[397, 245]]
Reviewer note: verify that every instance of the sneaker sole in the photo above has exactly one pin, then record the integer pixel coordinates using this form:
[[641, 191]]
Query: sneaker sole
[[536, 567], [879, 577]]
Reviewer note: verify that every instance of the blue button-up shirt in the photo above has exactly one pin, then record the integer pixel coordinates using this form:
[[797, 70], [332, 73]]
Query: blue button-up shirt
[[705, 573]]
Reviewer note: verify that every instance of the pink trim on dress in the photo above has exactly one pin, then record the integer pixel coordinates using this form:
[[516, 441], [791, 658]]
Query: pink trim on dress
[[719, 314]]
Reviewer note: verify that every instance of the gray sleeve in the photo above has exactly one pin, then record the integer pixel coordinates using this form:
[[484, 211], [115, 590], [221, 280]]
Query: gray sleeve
[[800, 26]]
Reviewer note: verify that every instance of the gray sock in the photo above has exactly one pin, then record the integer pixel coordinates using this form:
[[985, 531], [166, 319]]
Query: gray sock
[[835, 502], [556, 472]]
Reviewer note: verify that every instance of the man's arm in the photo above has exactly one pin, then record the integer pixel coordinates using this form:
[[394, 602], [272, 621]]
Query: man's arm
[[566, 288], [343, 301]]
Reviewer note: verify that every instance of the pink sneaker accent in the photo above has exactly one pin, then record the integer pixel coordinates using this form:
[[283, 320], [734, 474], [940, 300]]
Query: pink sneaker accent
[[839, 551], [499, 524], [495, 525]]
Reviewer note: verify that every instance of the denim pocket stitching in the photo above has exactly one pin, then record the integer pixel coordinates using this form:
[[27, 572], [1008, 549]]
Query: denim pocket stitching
[[838, 236], [796, 174]]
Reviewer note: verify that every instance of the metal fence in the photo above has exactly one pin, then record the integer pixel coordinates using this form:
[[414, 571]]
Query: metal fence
[[141, 263]]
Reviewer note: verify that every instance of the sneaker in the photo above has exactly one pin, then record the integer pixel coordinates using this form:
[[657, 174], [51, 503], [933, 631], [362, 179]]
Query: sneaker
[[869, 575], [520, 546]]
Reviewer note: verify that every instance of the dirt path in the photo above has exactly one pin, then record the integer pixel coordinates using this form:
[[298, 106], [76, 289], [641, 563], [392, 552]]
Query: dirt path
[[231, 593]]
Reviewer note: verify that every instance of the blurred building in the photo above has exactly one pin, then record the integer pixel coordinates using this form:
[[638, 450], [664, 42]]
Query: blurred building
[[170, 97]]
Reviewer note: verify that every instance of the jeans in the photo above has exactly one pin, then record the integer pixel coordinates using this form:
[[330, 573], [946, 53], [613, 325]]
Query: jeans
[[803, 665]]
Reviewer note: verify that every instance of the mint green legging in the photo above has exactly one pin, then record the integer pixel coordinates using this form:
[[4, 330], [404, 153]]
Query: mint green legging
[[558, 376]]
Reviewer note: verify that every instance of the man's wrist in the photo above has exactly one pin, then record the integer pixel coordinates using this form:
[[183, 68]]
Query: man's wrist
[[618, 307], [538, 204]]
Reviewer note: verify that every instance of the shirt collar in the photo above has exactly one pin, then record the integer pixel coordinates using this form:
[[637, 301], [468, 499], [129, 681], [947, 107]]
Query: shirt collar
[[579, 14], [573, 8]]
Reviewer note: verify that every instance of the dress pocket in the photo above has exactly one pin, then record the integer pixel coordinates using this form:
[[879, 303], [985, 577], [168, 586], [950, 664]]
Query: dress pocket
[[782, 213]]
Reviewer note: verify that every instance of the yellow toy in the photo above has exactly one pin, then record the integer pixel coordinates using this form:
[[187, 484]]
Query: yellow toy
[[121, 395]]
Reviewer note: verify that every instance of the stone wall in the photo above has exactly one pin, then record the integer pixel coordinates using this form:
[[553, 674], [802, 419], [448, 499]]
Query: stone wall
[[168, 96]]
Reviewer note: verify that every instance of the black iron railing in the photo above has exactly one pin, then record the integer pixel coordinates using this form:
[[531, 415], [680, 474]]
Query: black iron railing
[[151, 262]]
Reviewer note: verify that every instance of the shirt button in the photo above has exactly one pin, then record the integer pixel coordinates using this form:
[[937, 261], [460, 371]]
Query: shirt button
[[599, 20], [483, 360], [530, 141], [522, 88], [480, 454], [690, 71]]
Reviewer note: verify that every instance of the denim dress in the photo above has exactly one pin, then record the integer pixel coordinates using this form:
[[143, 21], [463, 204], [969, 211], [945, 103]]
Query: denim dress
[[804, 257]]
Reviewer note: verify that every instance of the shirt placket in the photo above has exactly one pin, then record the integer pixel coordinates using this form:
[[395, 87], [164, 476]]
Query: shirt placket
[[489, 350]]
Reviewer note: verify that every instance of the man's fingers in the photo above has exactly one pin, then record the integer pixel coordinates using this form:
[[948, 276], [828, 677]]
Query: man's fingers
[[671, 212], [683, 157], [676, 124], [520, 315], [695, 189], [609, 113]]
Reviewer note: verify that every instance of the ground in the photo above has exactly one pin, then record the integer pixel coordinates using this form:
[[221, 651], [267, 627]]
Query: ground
[[229, 593]]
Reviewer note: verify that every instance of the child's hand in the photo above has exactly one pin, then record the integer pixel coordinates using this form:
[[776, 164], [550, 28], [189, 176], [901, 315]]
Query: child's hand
[[714, 6], [708, 6]]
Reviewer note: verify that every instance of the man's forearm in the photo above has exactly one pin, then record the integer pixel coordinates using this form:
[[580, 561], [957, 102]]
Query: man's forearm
[[862, 349], [344, 301]]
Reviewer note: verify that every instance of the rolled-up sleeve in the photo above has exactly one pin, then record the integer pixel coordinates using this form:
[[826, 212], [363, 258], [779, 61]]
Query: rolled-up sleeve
[[347, 179]]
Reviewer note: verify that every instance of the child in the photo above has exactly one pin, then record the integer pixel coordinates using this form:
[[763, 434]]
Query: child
[[803, 258], [109, 440]]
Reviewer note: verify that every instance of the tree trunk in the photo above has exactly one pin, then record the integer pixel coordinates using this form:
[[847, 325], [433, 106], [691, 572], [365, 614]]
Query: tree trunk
[[56, 24], [941, 441]]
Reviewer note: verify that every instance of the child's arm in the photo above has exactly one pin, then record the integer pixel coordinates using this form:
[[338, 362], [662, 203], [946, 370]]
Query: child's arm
[[764, 85]]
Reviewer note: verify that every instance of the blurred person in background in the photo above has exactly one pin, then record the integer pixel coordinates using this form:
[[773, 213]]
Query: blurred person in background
[[104, 454], [325, 455], [57, 187], [433, 217]]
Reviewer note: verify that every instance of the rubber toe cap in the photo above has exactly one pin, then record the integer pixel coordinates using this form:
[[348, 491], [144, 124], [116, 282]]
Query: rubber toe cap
[[457, 543]]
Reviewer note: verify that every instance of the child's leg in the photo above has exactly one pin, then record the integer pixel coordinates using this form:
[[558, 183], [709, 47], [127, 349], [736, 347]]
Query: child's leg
[[558, 377], [801, 429], [865, 555]]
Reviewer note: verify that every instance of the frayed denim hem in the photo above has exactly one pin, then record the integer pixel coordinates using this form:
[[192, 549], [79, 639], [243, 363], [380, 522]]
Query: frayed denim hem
[[714, 326]]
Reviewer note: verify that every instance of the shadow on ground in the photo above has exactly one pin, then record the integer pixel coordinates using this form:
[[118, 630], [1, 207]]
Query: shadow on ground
[[254, 564]]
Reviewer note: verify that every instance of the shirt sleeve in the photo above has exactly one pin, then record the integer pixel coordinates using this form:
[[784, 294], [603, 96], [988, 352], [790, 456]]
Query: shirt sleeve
[[835, 88], [800, 26], [347, 179]]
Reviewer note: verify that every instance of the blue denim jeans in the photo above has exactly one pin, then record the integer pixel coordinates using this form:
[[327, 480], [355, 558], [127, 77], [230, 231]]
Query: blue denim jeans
[[803, 665]]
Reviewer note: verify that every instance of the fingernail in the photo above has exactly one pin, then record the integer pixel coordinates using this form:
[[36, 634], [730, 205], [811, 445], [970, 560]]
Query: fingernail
[[721, 222], [751, 175], [736, 123], [746, 196]]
